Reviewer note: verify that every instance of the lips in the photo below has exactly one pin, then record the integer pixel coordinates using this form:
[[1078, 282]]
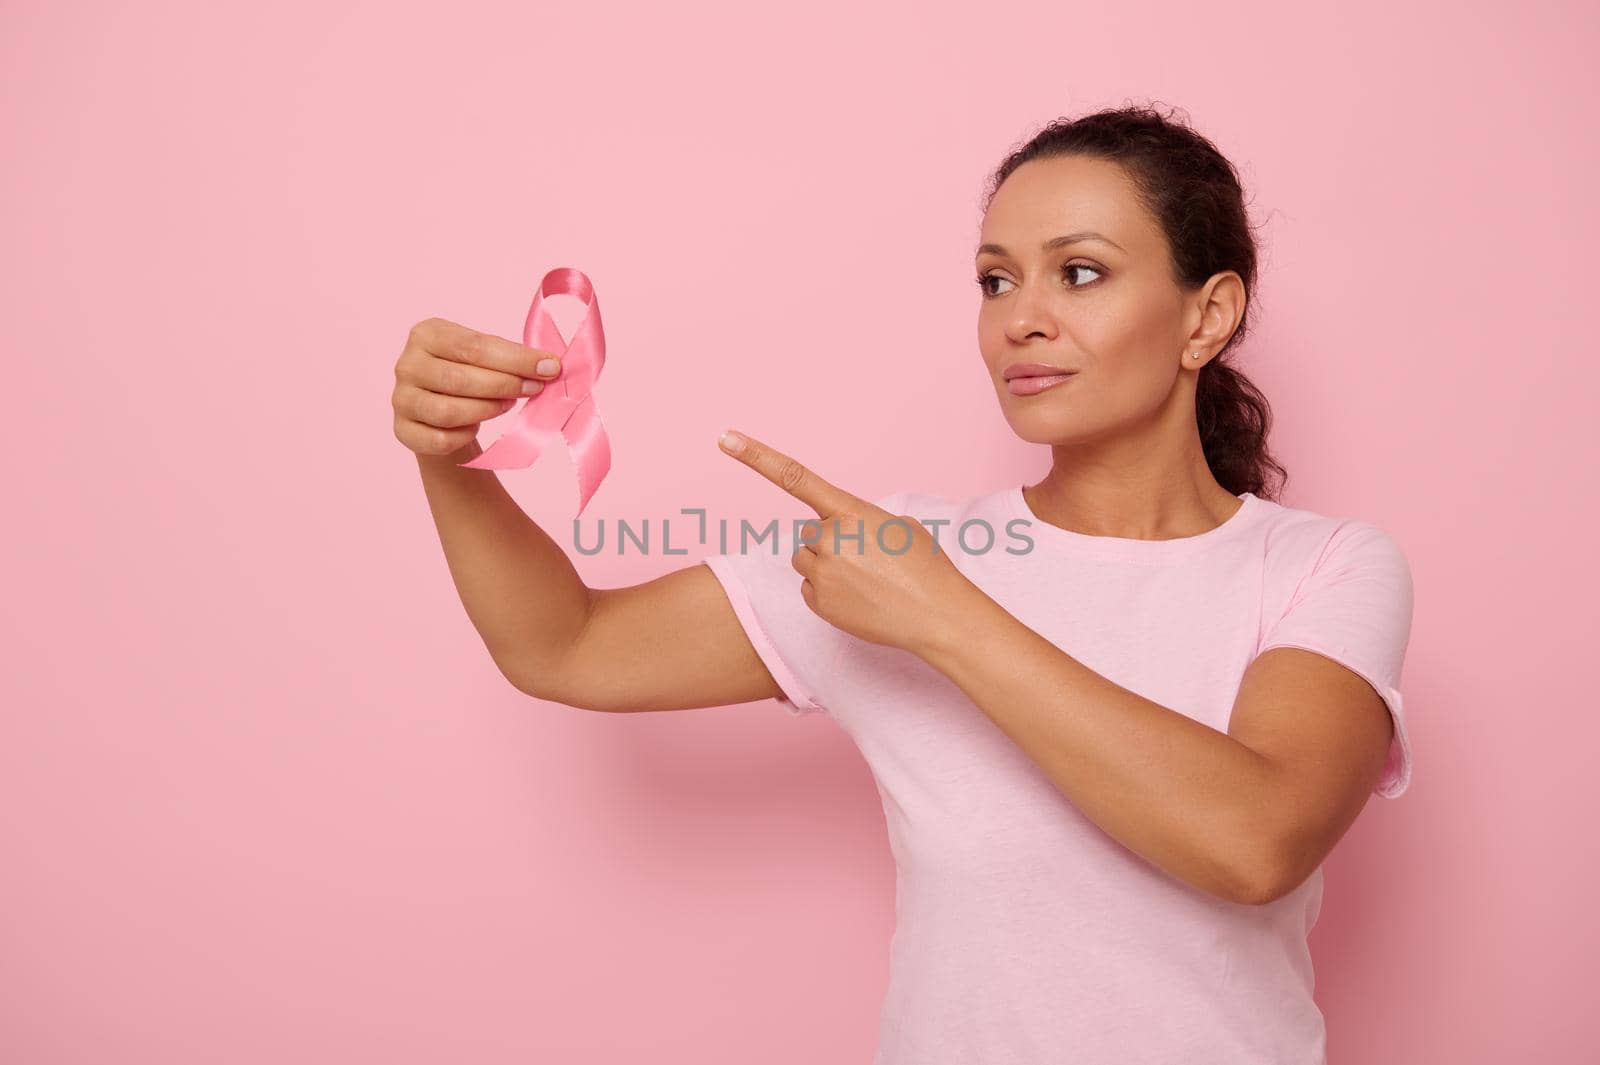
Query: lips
[[1032, 386], [1031, 378], [1032, 369]]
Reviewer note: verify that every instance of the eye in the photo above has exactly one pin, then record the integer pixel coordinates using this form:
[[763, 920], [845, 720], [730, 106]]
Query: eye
[[983, 285], [1067, 269], [984, 279]]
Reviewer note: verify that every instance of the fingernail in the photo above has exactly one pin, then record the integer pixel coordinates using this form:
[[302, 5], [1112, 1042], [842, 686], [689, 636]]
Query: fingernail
[[532, 388], [547, 366], [732, 442]]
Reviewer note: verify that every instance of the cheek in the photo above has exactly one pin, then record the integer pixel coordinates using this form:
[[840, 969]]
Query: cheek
[[1122, 342], [1130, 373], [991, 338]]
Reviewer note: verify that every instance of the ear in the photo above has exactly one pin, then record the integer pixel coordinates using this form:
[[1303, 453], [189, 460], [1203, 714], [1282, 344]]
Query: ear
[[1216, 311]]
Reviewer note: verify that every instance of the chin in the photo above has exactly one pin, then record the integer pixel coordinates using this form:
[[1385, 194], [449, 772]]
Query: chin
[[1037, 421], [1043, 427]]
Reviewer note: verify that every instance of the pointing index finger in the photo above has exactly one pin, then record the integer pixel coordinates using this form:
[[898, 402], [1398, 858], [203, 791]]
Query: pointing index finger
[[788, 474]]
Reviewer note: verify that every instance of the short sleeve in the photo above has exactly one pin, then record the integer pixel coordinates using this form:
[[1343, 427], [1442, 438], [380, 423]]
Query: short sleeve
[[797, 646], [1355, 607], [764, 591]]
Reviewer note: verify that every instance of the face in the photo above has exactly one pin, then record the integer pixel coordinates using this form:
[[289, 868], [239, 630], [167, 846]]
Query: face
[[1105, 307]]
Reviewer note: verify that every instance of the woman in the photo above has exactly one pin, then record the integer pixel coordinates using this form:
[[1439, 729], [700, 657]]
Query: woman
[[1117, 718]]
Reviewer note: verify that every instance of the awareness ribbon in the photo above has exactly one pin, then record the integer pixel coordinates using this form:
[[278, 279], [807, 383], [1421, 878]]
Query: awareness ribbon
[[565, 408]]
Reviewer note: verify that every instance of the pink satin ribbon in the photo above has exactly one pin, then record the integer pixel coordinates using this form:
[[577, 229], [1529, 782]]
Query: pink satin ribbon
[[565, 408]]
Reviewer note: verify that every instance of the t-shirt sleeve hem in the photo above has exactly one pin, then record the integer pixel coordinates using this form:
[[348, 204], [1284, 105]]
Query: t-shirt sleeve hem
[[1396, 777], [798, 698]]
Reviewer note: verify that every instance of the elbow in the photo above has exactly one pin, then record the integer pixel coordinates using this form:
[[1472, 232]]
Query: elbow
[[1266, 875], [545, 691], [521, 683], [560, 672], [1259, 886], [536, 683], [549, 678], [553, 686], [518, 674]]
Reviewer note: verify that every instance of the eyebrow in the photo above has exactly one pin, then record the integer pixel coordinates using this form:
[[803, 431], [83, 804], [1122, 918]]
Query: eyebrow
[[1056, 242]]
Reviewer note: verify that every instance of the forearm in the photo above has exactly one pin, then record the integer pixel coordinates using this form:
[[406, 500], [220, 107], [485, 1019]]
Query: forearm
[[518, 586], [1186, 797]]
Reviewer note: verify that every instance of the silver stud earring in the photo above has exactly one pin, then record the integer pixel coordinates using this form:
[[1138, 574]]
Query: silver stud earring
[[1194, 355]]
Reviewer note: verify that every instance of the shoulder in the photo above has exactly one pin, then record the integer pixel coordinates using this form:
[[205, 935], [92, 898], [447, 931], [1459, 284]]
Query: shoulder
[[1310, 542]]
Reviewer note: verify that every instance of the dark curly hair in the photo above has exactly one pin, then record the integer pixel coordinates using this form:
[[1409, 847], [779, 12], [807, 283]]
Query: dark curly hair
[[1194, 193]]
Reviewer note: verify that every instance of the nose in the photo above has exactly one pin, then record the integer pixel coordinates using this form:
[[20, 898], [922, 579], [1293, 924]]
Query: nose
[[1031, 315]]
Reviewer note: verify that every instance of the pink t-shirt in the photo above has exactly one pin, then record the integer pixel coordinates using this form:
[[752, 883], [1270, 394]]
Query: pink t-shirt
[[1025, 934]]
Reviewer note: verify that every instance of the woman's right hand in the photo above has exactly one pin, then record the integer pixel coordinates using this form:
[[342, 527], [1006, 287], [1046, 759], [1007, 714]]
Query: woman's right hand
[[450, 378]]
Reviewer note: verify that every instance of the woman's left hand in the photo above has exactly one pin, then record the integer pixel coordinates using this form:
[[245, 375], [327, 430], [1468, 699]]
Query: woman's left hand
[[876, 575]]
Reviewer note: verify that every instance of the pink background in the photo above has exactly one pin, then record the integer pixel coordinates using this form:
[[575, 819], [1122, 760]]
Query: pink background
[[263, 795]]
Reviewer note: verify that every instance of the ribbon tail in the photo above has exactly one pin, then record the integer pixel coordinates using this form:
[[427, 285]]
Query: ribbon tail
[[519, 447], [591, 448]]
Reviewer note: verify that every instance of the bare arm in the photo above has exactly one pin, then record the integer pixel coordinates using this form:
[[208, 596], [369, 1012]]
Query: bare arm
[[672, 643]]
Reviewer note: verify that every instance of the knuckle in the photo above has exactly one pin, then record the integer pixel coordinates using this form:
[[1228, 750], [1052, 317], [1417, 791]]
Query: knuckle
[[405, 367], [473, 347], [433, 410], [413, 436], [791, 474], [453, 378], [424, 334]]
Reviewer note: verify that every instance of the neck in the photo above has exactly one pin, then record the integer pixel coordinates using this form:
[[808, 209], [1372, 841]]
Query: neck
[[1149, 484]]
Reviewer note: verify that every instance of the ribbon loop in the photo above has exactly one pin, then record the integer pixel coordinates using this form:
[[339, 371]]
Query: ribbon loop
[[565, 408]]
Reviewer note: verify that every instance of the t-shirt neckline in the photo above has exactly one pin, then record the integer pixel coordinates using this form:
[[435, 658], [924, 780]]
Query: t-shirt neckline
[[1125, 547]]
